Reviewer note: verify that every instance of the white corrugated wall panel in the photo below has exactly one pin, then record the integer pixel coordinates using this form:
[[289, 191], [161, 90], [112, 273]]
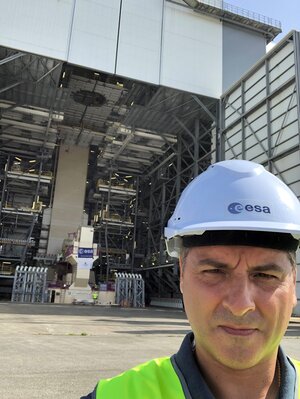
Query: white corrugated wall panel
[[281, 79], [191, 52], [277, 57], [233, 106], [234, 114], [254, 99], [35, 26], [95, 33], [233, 144], [286, 93], [233, 111], [255, 117], [257, 76], [283, 126], [282, 67], [140, 40], [234, 131], [290, 162], [289, 168], [235, 94], [233, 152], [254, 91], [286, 139], [256, 154]]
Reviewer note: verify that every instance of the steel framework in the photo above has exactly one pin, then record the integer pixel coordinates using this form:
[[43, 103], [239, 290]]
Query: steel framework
[[29, 284], [130, 290]]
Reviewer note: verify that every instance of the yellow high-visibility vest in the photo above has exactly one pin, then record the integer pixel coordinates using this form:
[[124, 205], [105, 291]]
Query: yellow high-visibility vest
[[156, 379]]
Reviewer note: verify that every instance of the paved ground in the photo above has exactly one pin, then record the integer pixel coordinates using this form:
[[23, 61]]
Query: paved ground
[[59, 351]]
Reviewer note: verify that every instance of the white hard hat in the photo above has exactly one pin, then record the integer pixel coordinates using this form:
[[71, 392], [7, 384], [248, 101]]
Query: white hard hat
[[233, 195]]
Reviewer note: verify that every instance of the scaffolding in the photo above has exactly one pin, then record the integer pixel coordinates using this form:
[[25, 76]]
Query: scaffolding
[[114, 221], [130, 290], [23, 184], [30, 284]]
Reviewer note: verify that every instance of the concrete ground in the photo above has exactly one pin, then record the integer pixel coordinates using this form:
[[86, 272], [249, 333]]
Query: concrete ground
[[60, 351]]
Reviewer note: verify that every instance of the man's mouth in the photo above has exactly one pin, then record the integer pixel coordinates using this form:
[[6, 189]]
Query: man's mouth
[[239, 330]]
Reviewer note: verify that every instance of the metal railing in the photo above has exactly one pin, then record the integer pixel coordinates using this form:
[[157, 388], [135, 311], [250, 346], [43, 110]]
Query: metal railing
[[242, 12]]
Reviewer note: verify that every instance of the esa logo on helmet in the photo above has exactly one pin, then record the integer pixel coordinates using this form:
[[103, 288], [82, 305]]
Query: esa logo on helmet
[[237, 207]]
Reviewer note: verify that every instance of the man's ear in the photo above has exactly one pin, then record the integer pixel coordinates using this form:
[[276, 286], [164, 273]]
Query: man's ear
[[295, 284], [181, 274]]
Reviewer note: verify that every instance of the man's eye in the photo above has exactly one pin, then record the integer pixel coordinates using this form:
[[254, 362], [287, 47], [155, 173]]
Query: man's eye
[[266, 276], [214, 271]]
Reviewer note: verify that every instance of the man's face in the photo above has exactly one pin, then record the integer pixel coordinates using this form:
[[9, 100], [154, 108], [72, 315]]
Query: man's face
[[238, 300]]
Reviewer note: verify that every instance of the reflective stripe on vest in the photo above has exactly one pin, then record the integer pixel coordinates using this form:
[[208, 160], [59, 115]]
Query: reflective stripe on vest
[[154, 379]]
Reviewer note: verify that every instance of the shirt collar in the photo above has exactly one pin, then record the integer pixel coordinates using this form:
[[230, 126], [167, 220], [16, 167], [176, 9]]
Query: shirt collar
[[193, 381]]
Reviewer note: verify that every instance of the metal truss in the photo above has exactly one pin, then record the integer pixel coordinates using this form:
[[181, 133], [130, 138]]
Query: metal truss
[[160, 190], [130, 290], [29, 285]]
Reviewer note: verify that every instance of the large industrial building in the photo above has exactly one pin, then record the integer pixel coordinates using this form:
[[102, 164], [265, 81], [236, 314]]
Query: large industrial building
[[108, 108]]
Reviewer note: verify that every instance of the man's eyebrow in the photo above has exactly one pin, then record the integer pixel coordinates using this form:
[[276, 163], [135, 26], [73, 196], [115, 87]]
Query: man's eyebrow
[[213, 263], [259, 268], [268, 267]]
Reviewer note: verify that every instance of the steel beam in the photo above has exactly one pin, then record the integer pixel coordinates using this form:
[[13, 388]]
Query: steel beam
[[11, 58]]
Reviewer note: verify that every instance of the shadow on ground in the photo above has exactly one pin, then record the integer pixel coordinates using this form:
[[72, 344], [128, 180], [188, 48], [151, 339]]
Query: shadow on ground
[[89, 310]]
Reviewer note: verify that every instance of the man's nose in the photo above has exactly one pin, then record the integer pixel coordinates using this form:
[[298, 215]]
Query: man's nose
[[239, 296]]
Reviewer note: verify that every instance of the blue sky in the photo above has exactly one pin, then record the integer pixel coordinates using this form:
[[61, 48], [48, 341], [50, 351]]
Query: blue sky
[[287, 12]]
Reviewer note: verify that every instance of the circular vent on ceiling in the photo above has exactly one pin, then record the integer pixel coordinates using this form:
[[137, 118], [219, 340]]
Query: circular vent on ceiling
[[88, 98]]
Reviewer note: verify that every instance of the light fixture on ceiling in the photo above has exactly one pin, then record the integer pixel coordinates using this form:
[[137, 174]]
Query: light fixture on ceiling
[[32, 161], [18, 159]]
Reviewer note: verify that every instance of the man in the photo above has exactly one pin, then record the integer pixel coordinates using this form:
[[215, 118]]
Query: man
[[95, 294], [235, 230]]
